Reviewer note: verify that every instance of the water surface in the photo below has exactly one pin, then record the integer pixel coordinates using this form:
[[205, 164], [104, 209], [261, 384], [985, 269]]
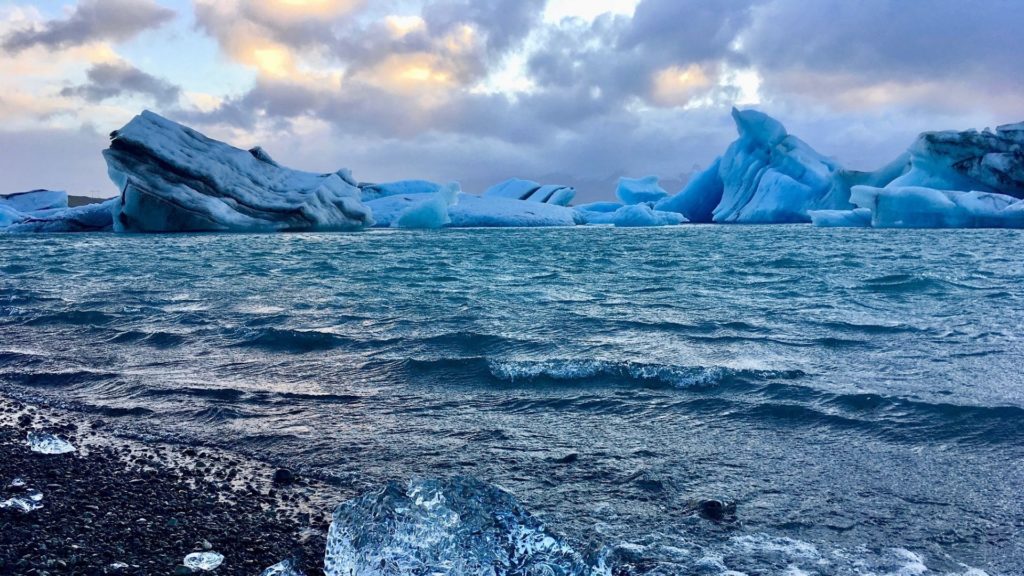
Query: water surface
[[858, 393]]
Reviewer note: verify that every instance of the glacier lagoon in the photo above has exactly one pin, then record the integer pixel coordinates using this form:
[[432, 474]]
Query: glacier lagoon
[[856, 393]]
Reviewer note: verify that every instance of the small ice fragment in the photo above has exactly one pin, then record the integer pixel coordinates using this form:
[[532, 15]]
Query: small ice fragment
[[203, 560], [282, 568], [34, 495], [45, 443], [18, 483], [23, 504], [118, 566]]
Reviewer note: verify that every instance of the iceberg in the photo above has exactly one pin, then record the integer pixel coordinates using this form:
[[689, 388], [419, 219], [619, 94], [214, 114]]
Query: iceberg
[[453, 526], [205, 561], [769, 176], [431, 212], [983, 161], [174, 179], [96, 217], [635, 215], [530, 191], [637, 190], [470, 211], [35, 200], [920, 207]]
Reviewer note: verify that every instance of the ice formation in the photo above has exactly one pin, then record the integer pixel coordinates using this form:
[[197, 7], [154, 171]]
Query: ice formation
[[205, 561], [919, 207], [634, 215], [45, 443], [283, 568], [174, 179], [470, 211], [965, 179], [35, 200], [770, 176], [518, 189], [431, 212], [454, 526], [31, 500], [95, 217], [638, 190]]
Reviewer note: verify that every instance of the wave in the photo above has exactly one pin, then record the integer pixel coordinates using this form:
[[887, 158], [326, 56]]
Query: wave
[[636, 372]]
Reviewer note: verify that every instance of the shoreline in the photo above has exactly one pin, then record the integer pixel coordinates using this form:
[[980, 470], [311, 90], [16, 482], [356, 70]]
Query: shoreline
[[119, 506]]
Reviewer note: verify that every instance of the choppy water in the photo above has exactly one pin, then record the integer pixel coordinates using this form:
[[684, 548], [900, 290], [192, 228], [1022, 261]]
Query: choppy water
[[858, 393]]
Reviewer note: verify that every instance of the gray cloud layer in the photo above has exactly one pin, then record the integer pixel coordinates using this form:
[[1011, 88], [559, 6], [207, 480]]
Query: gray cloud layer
[[92, 20], [118, 79]]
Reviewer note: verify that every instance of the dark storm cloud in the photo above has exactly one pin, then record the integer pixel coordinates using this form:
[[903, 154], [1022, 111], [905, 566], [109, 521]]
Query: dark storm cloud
[[110, 80], [92, 20]]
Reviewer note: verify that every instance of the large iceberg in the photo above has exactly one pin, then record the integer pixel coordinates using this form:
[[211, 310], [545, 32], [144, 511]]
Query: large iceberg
[[634, 215], [530, 191], [453, 526], [983, 161], [174, 179], [380, 190], [964, 179], [770, 176]]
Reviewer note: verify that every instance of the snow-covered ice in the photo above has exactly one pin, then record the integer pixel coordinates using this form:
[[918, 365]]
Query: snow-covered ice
[[174, 179]]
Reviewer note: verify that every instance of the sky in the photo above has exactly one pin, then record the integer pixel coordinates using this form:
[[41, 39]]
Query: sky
[[561, 91]]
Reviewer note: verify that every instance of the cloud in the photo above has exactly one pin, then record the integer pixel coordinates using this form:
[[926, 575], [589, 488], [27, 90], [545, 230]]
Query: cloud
[[110, 80], [91, 21]]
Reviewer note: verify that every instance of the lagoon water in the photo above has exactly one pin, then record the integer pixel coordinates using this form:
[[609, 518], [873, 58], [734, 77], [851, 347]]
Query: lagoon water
[[858, 393]]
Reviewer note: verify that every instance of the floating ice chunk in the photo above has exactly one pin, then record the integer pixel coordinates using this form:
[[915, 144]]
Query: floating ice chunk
[[118, 566], [454, 526], [30, 500], [45, 443], [94, 217], [174, 179], [917, 207], [637, 190], [17, 483], [205, 561], [471, 211], [377, 191], [35, 200], [518, 189], [642, 215], [430, 213], [283, 568], [858, 218]]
